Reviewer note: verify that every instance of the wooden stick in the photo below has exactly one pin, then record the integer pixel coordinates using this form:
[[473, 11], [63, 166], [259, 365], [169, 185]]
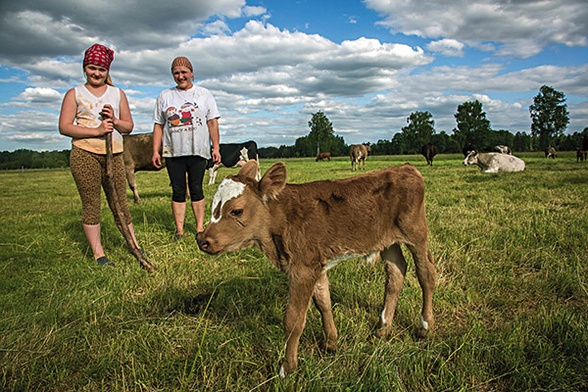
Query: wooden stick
[[117, 211]]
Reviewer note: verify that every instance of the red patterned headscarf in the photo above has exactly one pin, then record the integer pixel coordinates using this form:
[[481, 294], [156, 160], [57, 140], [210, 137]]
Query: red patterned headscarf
[[99, 55]]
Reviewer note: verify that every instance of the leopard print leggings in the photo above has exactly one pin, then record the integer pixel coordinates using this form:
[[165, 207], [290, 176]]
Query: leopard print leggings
[[89, 173]]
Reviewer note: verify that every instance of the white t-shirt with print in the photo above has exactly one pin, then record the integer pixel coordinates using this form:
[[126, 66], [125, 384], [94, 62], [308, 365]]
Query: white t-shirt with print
[[183, 114]]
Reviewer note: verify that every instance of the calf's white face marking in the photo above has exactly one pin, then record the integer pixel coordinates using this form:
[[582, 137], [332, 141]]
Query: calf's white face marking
[[227, 190]]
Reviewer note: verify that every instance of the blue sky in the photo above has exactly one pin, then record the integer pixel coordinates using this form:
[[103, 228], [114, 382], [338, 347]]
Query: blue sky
[[271, 64]]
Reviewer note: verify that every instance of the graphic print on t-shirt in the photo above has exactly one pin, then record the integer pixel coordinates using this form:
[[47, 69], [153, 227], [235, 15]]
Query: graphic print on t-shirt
[[183, 117]]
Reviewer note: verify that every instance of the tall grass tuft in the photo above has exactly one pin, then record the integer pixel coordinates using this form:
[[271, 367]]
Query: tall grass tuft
[[511, 302]]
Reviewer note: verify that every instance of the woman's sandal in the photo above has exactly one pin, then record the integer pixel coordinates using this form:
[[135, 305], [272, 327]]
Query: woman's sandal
[[103, 261]]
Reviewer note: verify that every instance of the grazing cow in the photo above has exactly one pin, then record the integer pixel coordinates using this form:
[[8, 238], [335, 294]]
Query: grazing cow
[[429, 151], [580, 155], [358, 154], [138, 150], [323, 155], [550, 152], [305, 229], [233, 154], [494, 162], [501, 148]]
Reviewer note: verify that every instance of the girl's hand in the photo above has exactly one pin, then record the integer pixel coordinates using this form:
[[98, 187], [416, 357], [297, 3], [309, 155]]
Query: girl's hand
[[107, 112], [105, 127], [156, 160]]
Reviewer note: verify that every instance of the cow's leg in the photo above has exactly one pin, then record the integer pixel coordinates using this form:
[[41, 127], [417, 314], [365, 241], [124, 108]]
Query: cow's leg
[[300, 292], [212, 175], [426, 273], [133, 184], [322, 300], [395, 267]]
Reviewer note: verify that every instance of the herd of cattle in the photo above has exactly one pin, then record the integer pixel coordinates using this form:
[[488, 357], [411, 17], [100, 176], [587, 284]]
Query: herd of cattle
[[306, 229], [138, 149]]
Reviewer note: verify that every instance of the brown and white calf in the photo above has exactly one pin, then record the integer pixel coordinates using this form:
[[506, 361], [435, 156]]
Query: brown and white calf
[[305, 229], [358, 153]]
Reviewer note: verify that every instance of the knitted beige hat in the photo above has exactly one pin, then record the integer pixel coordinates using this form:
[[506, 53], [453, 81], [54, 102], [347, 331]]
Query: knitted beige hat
[[182, 62]]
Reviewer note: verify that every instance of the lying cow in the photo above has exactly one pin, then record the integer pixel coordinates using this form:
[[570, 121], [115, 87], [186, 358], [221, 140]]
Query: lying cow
[[305, 229], [429, 151], [323, 155], [494, 162], [501, 148], [467, 149], [137, 153], [550, 152], [358, 154], [232, 155]]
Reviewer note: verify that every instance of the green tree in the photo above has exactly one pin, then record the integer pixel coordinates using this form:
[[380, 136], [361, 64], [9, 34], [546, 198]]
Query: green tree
[[321, 138], [419, 131], [472, 125], [549, 115], [321, 131]]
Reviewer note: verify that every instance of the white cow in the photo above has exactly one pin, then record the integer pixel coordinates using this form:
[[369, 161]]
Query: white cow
[[494, 162]]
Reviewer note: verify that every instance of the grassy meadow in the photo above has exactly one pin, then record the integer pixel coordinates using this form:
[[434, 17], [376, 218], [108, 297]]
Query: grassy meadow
[[511, 302]]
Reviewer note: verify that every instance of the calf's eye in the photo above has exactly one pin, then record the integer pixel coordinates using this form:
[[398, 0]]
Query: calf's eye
[[237, 213]]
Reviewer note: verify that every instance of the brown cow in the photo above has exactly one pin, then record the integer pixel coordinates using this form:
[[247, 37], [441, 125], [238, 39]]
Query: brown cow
[[429, 151], [323, 155], [550, 152], [138, 150], [305, 229], [580, 155], [358, 154]]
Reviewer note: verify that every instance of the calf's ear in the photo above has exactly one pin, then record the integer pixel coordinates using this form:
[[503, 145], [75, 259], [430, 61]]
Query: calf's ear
[[249, 170], [273, 181]]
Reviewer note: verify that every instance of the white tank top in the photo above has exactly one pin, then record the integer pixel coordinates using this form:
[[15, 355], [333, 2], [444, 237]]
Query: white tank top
[[88, 115]]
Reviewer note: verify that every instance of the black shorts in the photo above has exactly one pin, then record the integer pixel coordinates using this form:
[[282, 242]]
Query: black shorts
[[178, 168]]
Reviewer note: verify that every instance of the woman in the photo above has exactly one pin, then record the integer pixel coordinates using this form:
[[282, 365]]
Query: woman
[[185, 125], [88, 113]]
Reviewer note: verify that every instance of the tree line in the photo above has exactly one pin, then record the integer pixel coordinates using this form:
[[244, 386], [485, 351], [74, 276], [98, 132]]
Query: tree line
[[549, 120], [30, 159]]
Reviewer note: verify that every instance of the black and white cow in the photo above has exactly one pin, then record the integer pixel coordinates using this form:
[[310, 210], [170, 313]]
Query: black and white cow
[[549, 152], [232, 155], [494, 162], [501, 148]]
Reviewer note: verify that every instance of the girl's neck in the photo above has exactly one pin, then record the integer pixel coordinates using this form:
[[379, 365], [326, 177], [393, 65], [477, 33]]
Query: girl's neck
[[97, 90], [95, 87]]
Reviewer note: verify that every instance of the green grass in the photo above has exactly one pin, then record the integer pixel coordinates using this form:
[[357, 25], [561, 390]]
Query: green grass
[[511, 303]]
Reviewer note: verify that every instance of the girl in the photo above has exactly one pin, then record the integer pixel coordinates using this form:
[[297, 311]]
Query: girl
[[89, 112], [185, 129]]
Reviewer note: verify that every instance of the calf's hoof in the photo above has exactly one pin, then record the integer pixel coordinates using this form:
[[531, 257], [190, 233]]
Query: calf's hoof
[[331, 346], [383, 330], [424, 329], [286, 369]]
